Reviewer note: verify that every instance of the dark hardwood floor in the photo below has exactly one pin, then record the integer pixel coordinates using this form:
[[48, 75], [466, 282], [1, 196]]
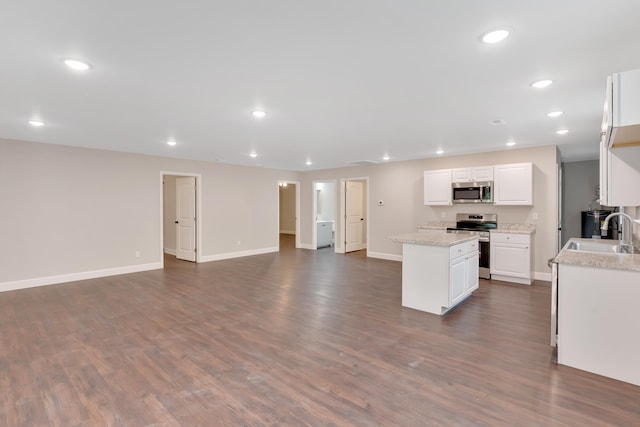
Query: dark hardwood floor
[[294, 338]]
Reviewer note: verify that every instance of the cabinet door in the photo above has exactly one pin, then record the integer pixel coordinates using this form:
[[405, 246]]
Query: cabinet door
[[472, 273], [461, 175], [457, 279], [437, 187], [513, 184], [482, 173], [510, 260]]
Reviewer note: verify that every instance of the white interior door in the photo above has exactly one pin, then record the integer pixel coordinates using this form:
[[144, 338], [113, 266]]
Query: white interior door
[[186, 218], [354, 218]]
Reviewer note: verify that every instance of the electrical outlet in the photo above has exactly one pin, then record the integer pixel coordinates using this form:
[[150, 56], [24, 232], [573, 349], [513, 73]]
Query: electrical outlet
[[443, 215], [535, 216], [137, 254]]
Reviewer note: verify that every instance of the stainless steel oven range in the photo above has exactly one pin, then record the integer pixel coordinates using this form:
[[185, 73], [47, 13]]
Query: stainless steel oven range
[[478, 224]]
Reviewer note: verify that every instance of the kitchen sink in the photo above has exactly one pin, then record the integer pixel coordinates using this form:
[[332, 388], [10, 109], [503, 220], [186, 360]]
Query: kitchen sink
[[601, 246]]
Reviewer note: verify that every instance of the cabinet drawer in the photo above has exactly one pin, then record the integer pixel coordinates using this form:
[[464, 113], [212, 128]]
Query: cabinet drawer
[[457, 250], [523, 239], [463, 249]]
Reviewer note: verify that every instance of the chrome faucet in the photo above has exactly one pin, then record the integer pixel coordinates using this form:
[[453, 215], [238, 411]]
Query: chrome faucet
[[605, 225]]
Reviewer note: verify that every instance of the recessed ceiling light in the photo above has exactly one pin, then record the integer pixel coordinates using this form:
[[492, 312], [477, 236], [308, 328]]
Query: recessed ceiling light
[[562, 131], [259, 114], [308, 163], [385, 157], [253, 154], [36, 123], [171, 143], [510, 144], [540, 84], [495, 36], [74, 64], [439, 151], [554, 113]]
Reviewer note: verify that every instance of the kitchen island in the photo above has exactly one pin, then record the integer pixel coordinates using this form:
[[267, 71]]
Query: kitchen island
[[439, 270], [598, 296]]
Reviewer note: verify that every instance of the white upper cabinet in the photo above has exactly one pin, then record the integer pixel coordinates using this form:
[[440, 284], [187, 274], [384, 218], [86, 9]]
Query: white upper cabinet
[[620, 144], [475, 174], [437, 187], [621, 119], [513, 184]]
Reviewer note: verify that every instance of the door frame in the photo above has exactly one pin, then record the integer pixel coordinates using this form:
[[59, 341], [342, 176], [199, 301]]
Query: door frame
[[198, 178], [343, 223], [314, 211], [297, 184]]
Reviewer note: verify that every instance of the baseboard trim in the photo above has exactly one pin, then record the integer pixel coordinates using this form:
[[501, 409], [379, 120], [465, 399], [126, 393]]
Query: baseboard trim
[[170, 251], [288, 232], [542, 276], [240, 254], [307, 246], [73, 277], [381, 255]]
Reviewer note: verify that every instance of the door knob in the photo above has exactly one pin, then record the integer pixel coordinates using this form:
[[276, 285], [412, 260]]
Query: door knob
[[175, 222]]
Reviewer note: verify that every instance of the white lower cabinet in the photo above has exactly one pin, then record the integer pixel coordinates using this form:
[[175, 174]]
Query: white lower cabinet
[[463, 271], [437, 278], [511, 258]]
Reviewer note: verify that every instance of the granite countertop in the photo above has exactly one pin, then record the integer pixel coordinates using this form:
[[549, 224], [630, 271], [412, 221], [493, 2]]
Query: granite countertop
[[598, 259], [437, 225], [432, 238], [515, 228], [502, 228]]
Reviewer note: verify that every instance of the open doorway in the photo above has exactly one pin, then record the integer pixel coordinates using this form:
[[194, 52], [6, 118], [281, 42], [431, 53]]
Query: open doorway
[[354, 211], [289, 212], [324, 214], [180, 209]]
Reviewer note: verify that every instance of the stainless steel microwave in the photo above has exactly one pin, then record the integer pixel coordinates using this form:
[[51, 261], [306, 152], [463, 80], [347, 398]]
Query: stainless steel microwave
[[472, 192]]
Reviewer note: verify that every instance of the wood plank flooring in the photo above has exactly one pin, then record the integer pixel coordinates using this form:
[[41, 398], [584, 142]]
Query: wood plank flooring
[[293, 338]]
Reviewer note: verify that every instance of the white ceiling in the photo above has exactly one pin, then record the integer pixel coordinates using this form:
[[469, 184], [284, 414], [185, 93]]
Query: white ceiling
[[341, 81]]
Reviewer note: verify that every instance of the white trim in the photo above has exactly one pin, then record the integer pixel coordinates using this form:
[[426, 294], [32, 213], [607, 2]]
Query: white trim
[[229, 255], [170, 251], [343, 182], [537, 275], [511, 279], [199, 217], [380, 255], [307, 246], [73, 277], [287, 231]]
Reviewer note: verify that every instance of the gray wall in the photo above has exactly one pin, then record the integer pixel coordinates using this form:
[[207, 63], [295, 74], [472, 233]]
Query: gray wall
[[579, 181]]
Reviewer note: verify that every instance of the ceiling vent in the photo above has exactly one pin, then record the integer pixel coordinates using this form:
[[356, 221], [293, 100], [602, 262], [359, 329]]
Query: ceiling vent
[[362, 162]]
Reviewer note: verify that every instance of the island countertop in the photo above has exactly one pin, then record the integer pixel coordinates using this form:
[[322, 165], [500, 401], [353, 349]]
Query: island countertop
[[432, 238]]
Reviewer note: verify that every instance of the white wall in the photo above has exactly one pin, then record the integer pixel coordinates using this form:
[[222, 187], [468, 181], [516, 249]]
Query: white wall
[[400, 186], [67, 211], [169, 212], [70, 213]]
